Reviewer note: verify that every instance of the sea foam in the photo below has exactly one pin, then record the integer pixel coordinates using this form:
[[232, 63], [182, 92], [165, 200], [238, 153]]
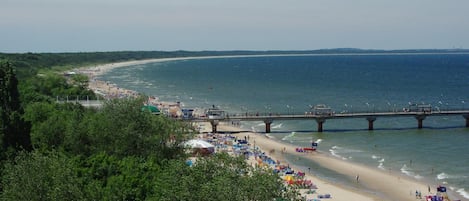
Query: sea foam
[[278, 126], [289, 137], [444, 175], [462, 192]]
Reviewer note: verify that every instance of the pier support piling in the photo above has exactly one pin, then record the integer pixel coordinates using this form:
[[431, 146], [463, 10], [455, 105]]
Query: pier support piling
[[268, 123], [466, 116], [214, 124], [370, 122], [320, 122], [420, 119]]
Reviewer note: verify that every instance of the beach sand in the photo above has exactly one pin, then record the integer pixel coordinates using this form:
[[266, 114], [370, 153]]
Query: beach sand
[[373, 184]]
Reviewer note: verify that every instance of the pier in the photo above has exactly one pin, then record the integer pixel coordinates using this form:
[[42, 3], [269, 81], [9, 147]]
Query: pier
[[319, 113], [321, 119]]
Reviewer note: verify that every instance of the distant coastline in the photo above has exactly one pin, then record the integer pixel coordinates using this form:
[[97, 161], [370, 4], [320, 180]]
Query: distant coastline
[[177, 53]]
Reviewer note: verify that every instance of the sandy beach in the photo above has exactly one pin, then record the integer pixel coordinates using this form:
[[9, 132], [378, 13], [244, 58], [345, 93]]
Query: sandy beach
[[384, 185], [373, 183]]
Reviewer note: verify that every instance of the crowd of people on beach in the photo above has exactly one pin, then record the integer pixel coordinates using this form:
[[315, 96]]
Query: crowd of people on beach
[[237, 145]]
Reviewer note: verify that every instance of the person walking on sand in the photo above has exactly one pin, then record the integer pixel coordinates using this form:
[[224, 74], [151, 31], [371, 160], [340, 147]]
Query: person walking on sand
[[357, 177]]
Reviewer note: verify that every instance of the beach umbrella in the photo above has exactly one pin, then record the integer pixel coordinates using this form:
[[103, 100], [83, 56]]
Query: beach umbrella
[[198, 144], [200, 147], [151, 108]]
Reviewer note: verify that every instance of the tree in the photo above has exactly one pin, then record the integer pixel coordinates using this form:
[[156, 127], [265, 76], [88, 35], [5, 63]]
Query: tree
[[15, 131], [219, 177], [123, 129], [41, 176]]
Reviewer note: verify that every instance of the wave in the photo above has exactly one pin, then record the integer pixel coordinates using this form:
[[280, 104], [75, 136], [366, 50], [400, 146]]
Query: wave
[[335, 150], [290, 136], [346, 150], [278, 126], [444, 175], [380, 162], [408, 171], [381, 166], [462, 192]]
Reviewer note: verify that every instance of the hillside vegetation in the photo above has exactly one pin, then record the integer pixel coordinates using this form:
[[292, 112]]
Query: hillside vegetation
[[53, 151]]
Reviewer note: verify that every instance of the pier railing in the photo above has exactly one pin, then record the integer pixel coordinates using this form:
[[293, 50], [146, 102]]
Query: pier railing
[[321, 118]]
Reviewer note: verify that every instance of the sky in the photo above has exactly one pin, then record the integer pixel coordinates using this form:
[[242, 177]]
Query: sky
[[196, 25]]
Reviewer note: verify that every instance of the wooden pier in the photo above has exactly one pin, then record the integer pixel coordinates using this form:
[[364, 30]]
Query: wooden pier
[[319, 113], [320, 119]]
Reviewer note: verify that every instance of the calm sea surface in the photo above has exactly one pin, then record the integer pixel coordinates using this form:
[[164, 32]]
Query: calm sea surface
[[437, 154]]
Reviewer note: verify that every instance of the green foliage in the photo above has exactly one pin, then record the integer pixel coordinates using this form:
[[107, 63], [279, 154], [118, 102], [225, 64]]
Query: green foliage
[[129, 131], [41, 176], [120, 128], [14, 130], [52, 122], [108, 178], [221, 177], [48, 87]]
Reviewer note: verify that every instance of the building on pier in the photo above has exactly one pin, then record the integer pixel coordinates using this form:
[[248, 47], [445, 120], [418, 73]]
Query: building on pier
[[425, 108], [322, 110], [215, 113]]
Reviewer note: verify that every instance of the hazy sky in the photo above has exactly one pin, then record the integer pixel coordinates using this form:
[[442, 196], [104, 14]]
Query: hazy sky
[[110, 25]]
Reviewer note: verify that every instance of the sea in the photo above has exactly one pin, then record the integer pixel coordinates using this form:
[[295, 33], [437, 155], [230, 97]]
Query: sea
[[437, 154]]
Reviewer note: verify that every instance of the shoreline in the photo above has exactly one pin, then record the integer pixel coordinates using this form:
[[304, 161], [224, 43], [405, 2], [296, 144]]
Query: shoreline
[[373, 184], [390, 184]]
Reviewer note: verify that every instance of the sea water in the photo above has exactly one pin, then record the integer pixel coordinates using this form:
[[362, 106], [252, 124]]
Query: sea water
[[437, 154]]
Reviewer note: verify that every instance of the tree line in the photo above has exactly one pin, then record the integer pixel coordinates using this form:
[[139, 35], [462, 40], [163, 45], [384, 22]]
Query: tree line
[[53, 151]]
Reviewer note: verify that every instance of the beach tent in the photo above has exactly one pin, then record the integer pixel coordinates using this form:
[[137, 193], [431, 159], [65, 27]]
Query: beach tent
[[200, 147], [151, 108], [174, 111]]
